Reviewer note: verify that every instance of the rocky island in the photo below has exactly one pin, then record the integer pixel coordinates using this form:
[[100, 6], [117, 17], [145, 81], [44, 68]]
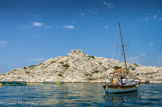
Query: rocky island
[[79, 67]]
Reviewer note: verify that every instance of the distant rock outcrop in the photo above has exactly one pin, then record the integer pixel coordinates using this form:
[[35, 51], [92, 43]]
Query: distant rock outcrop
[[79, 67]]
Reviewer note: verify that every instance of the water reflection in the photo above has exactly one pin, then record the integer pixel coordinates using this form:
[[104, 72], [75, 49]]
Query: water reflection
[[72, 94], [81, 94], [122, 98]]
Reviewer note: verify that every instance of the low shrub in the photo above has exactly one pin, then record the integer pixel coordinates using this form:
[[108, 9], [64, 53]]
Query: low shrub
[[91, 78], [25, 68], [100, 63], [88, 74], [136, 64], [133, 69], [66, 66], [137, 74], [91, 57], [116, 67], [27, 72], [52, 62], [96, 71], [31, 66], [61, 62], [60, 75]]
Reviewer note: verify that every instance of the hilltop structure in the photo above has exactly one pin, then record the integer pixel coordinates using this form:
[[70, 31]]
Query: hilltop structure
[[76, 51]]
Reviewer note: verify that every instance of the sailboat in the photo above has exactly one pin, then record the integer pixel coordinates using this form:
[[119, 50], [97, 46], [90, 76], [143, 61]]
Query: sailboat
[[123, 80]]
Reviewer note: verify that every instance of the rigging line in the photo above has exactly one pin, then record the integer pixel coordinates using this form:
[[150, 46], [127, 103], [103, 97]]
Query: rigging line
[[126, 49], [129, 60], [115, 44], [128, 52], [132, 55], [129, 57]]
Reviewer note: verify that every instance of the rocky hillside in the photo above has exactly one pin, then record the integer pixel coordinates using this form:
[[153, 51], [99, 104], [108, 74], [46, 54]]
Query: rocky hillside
[[78, 67]]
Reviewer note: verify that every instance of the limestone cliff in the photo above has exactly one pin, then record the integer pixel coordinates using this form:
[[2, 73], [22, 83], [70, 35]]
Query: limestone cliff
[[79, 67]]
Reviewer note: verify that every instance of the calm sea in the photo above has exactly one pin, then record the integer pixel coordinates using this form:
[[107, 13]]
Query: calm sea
[[78, 94]]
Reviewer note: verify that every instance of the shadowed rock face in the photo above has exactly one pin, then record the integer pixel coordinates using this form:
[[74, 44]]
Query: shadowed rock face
[[79, 67]]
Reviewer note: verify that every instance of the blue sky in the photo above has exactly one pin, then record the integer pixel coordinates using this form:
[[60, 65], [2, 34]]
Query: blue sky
[[31, 31]]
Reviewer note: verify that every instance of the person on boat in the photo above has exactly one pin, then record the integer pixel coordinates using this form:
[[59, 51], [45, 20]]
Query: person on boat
[[115, 81], [119, 81], [121, 77], [123, 81]]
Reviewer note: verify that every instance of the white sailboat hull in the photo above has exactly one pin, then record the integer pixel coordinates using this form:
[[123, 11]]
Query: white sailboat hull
[[120, 90]]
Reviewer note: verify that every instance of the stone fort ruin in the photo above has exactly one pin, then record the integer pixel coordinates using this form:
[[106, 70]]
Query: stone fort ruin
[[76, 51]]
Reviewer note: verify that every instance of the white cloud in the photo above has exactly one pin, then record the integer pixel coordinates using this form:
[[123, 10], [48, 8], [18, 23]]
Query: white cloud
[[48, 27], [69, 26], [66, 26], [151, 44], [135, 24], [107, 27], [91, 11], [109, 5], [82, 14], [143, 54], [155, 16], [26, 27], [58, 27], [146, 18], [3, 42], [160, 19], [37, 24], [36, 59]]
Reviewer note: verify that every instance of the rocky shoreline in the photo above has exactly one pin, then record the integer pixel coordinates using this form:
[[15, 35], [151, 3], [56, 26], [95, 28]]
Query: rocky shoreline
[[79, 67]]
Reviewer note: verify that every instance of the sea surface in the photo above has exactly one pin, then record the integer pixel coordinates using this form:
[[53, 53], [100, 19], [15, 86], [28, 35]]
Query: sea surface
[[78, 95]]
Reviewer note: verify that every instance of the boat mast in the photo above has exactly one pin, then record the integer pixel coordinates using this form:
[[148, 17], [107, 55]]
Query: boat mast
[[123, 48]]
